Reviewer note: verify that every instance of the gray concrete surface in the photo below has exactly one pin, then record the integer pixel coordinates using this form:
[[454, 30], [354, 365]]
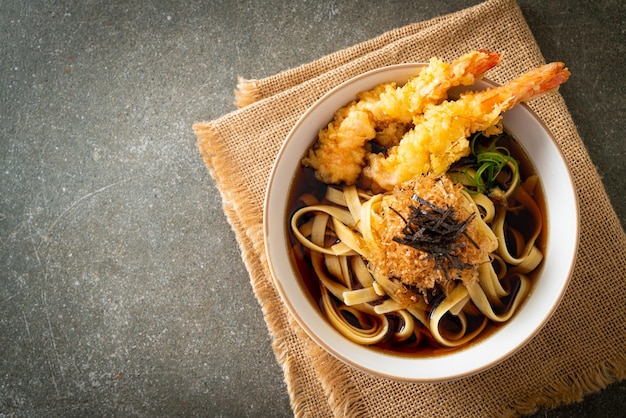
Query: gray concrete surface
[[121, 288]]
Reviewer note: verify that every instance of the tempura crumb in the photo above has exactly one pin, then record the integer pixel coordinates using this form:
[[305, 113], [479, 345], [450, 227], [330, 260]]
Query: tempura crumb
[[416, 268]]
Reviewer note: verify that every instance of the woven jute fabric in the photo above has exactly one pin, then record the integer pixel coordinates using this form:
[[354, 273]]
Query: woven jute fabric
[[582, 347]]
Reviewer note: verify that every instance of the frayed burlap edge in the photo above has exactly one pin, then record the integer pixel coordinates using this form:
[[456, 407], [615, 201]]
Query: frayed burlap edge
[[571, 389], [341, 392], [247, 92]]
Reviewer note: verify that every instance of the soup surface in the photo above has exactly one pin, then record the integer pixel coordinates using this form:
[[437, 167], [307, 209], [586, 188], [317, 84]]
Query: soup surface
[[387, 313]]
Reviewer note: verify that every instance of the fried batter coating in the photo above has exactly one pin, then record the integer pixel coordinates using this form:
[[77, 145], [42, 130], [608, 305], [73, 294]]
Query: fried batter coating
[[384, 112], [439, 137], [402, 104], [339, 153]]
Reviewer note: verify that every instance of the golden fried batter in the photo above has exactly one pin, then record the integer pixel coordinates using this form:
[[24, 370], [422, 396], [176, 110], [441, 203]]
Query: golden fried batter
[[439, 137], [340, 150]]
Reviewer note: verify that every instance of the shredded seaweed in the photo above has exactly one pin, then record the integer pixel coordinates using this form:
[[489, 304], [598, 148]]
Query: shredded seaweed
[[435, 231]]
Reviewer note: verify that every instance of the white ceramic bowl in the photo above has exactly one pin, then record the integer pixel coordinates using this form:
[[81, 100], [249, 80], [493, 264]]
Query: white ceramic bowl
[[550, 285]]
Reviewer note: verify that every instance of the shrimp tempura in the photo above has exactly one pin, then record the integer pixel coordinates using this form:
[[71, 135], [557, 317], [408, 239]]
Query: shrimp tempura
[[402, 104], [385, 113], [439, 137]]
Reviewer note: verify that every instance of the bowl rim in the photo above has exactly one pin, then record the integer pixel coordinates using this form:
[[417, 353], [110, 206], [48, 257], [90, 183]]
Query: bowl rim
[[330, 348]]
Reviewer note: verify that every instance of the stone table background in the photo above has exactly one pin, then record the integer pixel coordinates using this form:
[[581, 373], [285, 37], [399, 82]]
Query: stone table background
[[121, 288]]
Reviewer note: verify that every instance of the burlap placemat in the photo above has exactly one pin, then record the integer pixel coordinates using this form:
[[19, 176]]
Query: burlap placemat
[[582, 347]]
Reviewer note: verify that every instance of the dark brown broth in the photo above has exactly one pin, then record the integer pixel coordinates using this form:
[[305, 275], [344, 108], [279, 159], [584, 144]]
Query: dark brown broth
[[305, 182]]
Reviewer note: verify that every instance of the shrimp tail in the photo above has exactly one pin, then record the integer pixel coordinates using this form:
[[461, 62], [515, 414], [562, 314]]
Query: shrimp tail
[[476, 63], [526, 87], [539, 81]]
